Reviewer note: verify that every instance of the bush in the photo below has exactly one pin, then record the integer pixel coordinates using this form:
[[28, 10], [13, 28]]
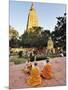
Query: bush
[[17, 61], [39, 58], [20, 54]]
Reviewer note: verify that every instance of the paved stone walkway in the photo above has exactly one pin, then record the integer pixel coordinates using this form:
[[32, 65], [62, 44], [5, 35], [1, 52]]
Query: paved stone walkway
[[17, 79]]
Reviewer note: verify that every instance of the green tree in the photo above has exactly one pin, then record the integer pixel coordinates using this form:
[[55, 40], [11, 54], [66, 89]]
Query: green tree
[[59, 35], [13, 33], [36, 38], [13, 37]]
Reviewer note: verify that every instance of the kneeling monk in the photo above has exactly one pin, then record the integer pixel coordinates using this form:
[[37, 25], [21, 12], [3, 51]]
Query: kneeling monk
[[34, 78], [47, 71], [28, 67]]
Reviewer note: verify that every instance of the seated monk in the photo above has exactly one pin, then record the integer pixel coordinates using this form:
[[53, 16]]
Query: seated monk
[[34, 79], [47, 71], [28, 67]]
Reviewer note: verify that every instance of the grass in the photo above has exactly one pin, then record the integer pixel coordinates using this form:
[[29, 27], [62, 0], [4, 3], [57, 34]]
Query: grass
[[18, 60]]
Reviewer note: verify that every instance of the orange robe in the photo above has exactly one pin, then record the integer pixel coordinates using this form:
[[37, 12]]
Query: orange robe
[[34, 78], [47, 72], [27, 68]]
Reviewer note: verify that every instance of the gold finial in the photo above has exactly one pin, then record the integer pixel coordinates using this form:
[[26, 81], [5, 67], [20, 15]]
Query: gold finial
[[32, 6], [65, 11]]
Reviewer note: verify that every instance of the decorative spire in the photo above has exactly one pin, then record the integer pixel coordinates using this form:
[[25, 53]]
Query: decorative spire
[[65, 11], [32, 6]]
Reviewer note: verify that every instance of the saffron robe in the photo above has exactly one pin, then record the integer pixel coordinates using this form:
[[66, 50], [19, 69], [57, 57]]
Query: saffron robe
[[27, 68], [34, 78], [47, 72]]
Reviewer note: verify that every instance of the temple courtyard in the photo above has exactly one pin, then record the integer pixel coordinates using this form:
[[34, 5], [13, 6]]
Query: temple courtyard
[[17, 78]]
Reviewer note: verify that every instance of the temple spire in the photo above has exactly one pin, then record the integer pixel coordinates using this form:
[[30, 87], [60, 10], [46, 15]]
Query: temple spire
[[32, 6], [65, 11], [32, 19]]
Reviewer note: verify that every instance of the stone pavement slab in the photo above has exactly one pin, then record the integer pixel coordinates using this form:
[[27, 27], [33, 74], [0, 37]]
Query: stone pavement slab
[[17, 79]]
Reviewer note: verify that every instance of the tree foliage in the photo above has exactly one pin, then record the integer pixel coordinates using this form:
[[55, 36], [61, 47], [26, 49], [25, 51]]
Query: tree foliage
[[38, 38], [13, 37], [13, 33], [59, 34]]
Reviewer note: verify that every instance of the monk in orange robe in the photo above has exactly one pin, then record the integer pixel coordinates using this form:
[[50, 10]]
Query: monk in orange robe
[[34, 79], [47, 71], [28, 67]]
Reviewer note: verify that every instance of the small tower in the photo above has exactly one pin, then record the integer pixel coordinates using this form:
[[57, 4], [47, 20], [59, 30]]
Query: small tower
[[50, 46]]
